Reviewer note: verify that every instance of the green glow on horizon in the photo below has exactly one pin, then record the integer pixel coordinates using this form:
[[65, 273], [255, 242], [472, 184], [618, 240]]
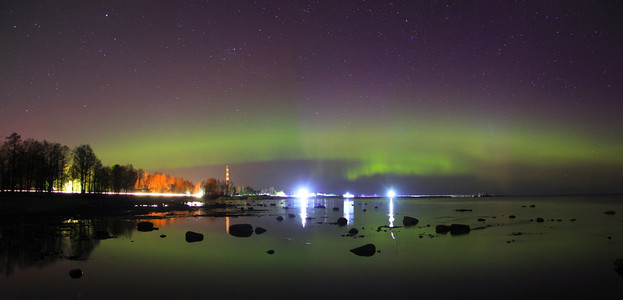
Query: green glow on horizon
[[428, 147]]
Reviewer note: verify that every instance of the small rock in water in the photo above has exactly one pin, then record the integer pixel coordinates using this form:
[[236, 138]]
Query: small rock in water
[[365, 250], [533, 206], [145, 226], [409, 221], [462, 210], [75, 273], [481, 220], [336, 208], [163, 235], [319, 206], [610, 212], [291, 216], [259, 230], [353, 231], [573, 220], [279, 218], [192, 237], [540, 220], [342, 221], [511, 217], [271, 251], [442, 228], [241, 230], [101, 235], [457, 229]]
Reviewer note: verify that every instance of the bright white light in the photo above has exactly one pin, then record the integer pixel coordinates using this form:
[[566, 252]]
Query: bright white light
[[304, 193], [391, 194], [348, 195]]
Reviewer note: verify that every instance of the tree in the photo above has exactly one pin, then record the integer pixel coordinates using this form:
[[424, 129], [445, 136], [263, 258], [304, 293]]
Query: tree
[[83, 165], [13, 149]]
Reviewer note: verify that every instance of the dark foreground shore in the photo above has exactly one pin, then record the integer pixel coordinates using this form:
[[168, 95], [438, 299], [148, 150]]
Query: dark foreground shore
[[15, 204]]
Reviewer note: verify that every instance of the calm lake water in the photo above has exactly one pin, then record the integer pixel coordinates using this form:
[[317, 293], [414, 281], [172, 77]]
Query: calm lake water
[[570, 254]]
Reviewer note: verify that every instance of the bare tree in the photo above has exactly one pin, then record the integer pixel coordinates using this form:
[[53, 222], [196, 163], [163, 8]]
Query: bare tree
[[84, 163]]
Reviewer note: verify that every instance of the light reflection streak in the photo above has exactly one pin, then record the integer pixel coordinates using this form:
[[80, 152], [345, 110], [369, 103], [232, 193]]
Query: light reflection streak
[[349, 211], [391, 212], [303, 204]]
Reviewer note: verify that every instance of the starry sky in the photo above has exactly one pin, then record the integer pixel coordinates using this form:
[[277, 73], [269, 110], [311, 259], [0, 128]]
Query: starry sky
[[427, 97]]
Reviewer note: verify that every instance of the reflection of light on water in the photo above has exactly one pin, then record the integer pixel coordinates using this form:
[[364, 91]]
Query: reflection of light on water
[[303, 203], [349, 211], [227, 224], [391, 212], [194, 203]]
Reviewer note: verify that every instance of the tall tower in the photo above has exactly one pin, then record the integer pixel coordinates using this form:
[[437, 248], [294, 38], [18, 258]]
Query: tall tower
[[227, 175]]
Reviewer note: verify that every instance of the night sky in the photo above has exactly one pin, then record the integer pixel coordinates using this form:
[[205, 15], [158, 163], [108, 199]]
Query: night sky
[[508, 97]]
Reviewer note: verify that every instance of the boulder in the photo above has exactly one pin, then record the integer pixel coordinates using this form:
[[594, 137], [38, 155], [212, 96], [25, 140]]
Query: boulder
[[342, 221], [319, 206], [336, 208], [259, 230], [365, 250], [409, 221], [511, 217], [241, 230], [193, 237], [481, 220], [456, 229], [75, 273], [540, 220], [442, 228], [145, 226], [610, 212], [353, 231], [163, 235], [279, 218], [291, 216], [270, 251]]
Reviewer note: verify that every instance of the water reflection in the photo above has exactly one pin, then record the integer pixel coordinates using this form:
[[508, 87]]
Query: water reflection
[[37, 243], [349, 210], [391, 213], [303, 204]]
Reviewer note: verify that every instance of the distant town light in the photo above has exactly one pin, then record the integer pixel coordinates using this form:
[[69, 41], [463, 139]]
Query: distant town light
[[304, 193], [348, 195], [391, 194]]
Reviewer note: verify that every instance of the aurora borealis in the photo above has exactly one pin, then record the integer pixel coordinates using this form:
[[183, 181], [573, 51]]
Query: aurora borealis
[[425, 96]]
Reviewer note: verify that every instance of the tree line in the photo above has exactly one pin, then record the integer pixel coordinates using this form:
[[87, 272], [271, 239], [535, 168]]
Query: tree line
[[27, 165]]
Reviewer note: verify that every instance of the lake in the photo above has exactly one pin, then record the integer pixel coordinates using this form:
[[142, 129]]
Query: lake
[[508, 255]]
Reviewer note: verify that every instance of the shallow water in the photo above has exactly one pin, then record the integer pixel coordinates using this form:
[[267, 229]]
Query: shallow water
[[508, 258]]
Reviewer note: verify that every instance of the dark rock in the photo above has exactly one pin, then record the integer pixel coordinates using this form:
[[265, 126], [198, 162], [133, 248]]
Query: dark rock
[[75, 273], [609, 237], [481, 220], [457, 229], [102, 235], [540, 220], [273, 204], [241, 230], [271, 251], [610, 212], [259, 230], [573, 220], [409, 221], [163, 235], [291, 216], [462, 210], [342, 221], [353, 231], [279, 218], [365, 250], [442, 228], [145, 226], [336, 208], [193, 237], [533, 206], [511, 217], [319, 206]]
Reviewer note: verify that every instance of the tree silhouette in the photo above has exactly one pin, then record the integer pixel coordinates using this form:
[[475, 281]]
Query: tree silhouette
[[84, 165]]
